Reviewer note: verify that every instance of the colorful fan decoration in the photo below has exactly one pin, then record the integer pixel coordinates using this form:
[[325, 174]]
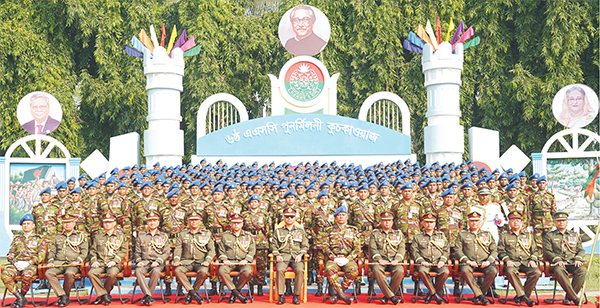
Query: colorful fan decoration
[[144, 44], [426, 35]]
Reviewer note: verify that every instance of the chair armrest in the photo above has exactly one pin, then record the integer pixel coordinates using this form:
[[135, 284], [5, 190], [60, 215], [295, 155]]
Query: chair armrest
[[547, 268], [456, 268], [271, 257], [412, 267], [501, 268], [321, 267], [254, 271]]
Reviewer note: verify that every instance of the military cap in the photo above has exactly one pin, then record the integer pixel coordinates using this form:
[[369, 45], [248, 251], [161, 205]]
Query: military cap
[[384, 183], [83, 176], [448, 191], [454, 183], [429, 217], [236, 218], [509, 170], [142, 166], [446, 177], [341, 209], [483, 179], [254, 197], [465, 178], [61, 185], [174, 186], [126, 168], [194, 183], [147, 183], [194, 215], [289, 211], [152, 215], [108, 217], [324, 192], [474, 215], [76, 190], [290, 192], [387, 215], [174, 192], [484, 191], [233, 185], [123, 176], [68, 218], [511, 185], [534, 176], [26, 217], [91, 184], [561, 216], [102, 176], [122, 184], [542, 178], [204, 184], [71, 179], [46, 190], [217, 188], [362, 187], [111, 180], [514, 215], [522, 174], [324, 184]]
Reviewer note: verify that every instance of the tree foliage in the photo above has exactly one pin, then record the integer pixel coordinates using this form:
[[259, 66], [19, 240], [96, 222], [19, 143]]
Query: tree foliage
[[73, 49]]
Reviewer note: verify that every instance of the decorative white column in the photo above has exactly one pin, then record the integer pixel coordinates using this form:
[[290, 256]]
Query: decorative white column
[[444, 136], [163, 140]]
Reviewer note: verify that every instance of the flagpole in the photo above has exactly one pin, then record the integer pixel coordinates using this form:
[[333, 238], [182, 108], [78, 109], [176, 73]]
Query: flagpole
[[582, 292]]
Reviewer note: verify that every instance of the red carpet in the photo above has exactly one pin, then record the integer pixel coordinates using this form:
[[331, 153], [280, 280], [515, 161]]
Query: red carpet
[[317, 302]]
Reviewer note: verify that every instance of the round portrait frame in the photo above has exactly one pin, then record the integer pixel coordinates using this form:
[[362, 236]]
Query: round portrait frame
[[321, 28], [559, 103], [24, 112]]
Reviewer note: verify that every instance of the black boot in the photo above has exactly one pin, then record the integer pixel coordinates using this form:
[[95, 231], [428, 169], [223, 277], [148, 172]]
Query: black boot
[[108, 299], [288, 288], [296, 300], [456, 291], [194, 295], [188, 299], [330, 290], [310, 279], [528, 301], [281, 300], [64, 301], [180, 290], [20, 300], [484, 301], [347, 299], [259, 289], [213, 288], [319, 290], [239, 296], [99, 300], [167, 289], [371, 291]]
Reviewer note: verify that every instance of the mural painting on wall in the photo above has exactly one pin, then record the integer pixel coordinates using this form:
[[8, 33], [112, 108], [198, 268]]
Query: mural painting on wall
[[566, 178], [26, 182]]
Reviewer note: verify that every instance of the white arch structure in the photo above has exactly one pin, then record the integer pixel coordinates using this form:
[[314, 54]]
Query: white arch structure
[[216, 98], [388, 96], [581, 139]]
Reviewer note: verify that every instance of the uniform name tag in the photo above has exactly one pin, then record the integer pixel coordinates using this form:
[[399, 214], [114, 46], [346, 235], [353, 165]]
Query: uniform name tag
[[414, 209], [32, 243]]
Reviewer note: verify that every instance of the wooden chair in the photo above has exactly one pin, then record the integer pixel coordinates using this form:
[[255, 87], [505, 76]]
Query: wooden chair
[[340, 274], [34, 279], [289, 274], [125, 272], [451, 265], [387, 274], [78, 277], [521, 275], [215, 265], [163, 274], [462, 285], [552, 278]]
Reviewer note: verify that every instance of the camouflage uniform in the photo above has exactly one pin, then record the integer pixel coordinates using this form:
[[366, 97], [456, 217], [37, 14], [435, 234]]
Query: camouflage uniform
[[408, 218], [258, 223], [24, 247], [342, 241], [141, 209], [196, 205], [92, 219], [432, 202], [450, 220], [79, 211], [116, 205], [318, 221], [542, 206], [518, 204], [46, 220]]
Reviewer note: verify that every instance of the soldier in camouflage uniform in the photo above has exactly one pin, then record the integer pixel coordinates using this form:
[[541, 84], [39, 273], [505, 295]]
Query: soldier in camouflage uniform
[[383, 202], [108, 249], [152, 249], [258, 222], [148, 203], [290, 243], [466, 199], [517, 249], [78, 210], [60, 201], [26, 251], [112, 203], [194, 203], [387, 248], [514, 201], [362, 215], [92, 219], [236, 201], [564, 251], [216, 216], [236, 246], [408, 213], [430, 250], [45, 215], [194, 251], [542, 206], [431, 198], [68, 248], [476, 251], [318, 220], [450, 220], [342, 247], [172, 216], [291, 201]]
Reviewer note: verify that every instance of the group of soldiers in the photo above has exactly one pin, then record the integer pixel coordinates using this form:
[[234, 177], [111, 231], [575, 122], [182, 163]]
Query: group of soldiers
[[337, 215]]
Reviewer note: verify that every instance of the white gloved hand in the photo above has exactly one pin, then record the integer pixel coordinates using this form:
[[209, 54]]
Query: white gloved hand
[[21, 265], [342, 261], [338, 261]]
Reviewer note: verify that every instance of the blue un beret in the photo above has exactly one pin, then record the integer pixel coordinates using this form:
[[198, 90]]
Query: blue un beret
[[26, 217], [323, 192], [46, 190], [341, 209]]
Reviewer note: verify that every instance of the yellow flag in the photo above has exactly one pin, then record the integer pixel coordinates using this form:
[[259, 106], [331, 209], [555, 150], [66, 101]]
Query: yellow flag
[[429, 30], [172, 39], [450, 29], [146, 40]]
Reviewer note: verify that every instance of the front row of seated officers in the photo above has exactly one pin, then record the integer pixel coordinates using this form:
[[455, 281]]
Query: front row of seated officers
[[234, 250]]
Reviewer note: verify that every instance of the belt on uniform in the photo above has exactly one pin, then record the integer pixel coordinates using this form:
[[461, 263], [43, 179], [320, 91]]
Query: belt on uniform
[[216, 231], [366, 228], [255, 232]]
